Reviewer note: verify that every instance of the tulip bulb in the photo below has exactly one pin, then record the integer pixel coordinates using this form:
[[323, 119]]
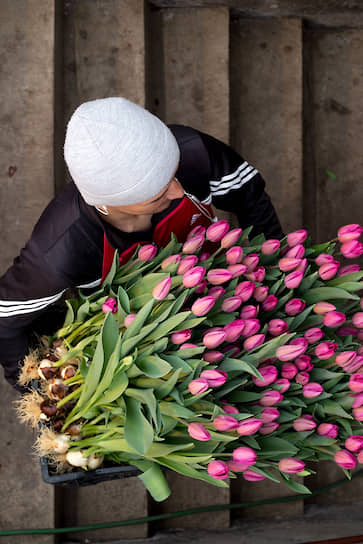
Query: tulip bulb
[[76, 458]]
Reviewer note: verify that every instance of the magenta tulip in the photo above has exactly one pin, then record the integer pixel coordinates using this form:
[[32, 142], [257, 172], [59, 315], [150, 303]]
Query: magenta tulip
[[360, 457], [358, 413], [283, 383], [322, 308], [302, 378], [161, 290], [349, 269], [269, 374], [334, 319], [193, 244], [186, 264], [290, 465], [324, 258], [236, 270], [325, 350], [170, 261], [346, 330], [296, 252], [269, 428], [329, 270], [251, 261], [303, 362], [270, 398], [269, 414], [270, 246], [216, 292], [289, 371], [357, 320], [129, 319], [356, 383], [245, 290], [218, 470], [234, 330], [328, 429], [345, 458], [230, 409], [214, 338], [198, 386], [202, 306], [252, 326], [289, 352], [253, 342], [269, 303], [296, 237], [349, 232], [245, 455], [231, 304], [236, 467], [354, 443], [345, 358], [249, 311], [294, 306], [217, 276], [352, 249], [196, 231], [198, 432], [355, 366], [231, 238], [234, 255], [277, 327], [293, 279], [313, 335], [212, 356], [260, 293], [302, 266], [358, 400], [260, 274], [252, 476], [312, 390], [147, 252], [180, 337], [110, 305], [217, 230], [215, 378], [225, 423], [304, 423], [300, 341], [204, 256], [249, 426], [286, 264], [193, 276]]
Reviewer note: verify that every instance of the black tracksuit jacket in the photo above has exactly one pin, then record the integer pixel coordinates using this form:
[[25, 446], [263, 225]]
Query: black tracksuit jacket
[[65, 249]]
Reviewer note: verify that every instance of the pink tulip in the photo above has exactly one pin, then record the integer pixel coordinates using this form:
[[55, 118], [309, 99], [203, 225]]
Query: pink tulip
[[289, 352], [231, 238], [324, 258], [218, 470], [356, 383], [252, 476], [325, 350], [204, 256], [216, 292], [234, 255], [230, 409], [287, 264], [300, 341], [215, 378], [198, 432], [253, 342], [296, 237], [110, 305], [245, 290], [346, 330], [196, 231], [236, 467], [269, 374], [328, 429], [251, 261], [217, 276], [217, 231], [225, 423], [312, 390], [202, 306], [354, 366], [234, 330], [349, 232], [236, 270], [354, 443], [193, 244], [193, 276], [214, 338], [269, 414], [290, 465], [186, 264], [187, 345], [231, 304], [249, 311], [269, 303], [360, 457], [358, 413], [260, 293], [329, 270], [345, 358], [334, 319], [198, 386], [260, 274], [293, 279], [252, 326], [303, 362], [358, 400], [180, 337], [344, 458], [212, 356], [201, 288], [270, 398], [277, 327], [270, 246], [129, 319], [269, 428], [169, 261], [304, 423], [302, 378], [296, 252], [322, 308], [294, 306], [357, 320], [360, 336], [302, 266], [284, 383], [147, 252], [349, 269], [288, 371], [161, 290], [352, 249], [249, 426], [313, 335], [245, 455]]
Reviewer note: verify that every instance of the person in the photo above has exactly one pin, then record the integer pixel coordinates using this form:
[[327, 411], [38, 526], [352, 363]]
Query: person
[[134, 179]]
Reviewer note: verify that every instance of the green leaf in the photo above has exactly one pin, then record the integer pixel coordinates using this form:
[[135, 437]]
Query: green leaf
[[110, 336], [347, 278], [295, 486], [307, 282], [333, 408], [115, 263], [139, 433], [173, 409], [230, 364], [191, 472], [83, 311], [189, 353], [123, 299], [300, 318], [135, 327], [243, 396], [146, 283], [327, 293], [177, 362], [118, 386], [276, 448], [322, 374], [155, 482], [145, 396], [131, 343], [153, 366], [163, 390], [167, 326], [316, 440], [161, 449], [268, 348], [229, 386], [70, 315]]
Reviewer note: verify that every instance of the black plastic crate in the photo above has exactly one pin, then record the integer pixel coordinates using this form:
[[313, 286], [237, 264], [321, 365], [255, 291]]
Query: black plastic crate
[[82, 478]]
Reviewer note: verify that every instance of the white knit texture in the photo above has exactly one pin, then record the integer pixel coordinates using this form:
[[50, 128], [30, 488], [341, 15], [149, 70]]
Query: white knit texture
[[118, 153]]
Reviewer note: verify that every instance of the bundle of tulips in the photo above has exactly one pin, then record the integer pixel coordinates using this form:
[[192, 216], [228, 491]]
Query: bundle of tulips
[[247, 359]]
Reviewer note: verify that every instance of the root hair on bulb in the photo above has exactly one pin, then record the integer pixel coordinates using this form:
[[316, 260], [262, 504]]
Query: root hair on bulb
[[28, 408], [29, 370]]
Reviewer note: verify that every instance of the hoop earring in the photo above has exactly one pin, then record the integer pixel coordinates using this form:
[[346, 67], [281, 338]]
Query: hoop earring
[[104, 211]]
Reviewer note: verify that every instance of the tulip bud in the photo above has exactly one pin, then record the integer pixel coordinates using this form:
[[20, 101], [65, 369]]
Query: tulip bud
[[349, 269], [328, 429], [198, 386], [249, 311], [193, 244], [188, 345], [270, 398], [313, 335], [289, 465], [288, 371], [260, 274], [129, 319], [236, 467], [354, 443], [293, 279], [251, 261], [334, 319], [253, 342], [198, 432], [110, 305], [252, 326], [329, 270], [229, 409], [180, 337], [204, 256], [214, 338], [277, 326], [269, 374], [294, 306], [358, 413], [193, 276], [302, 378], [269, 414], [289, 352], [231, 238], [217, 230], [356, 383], [216, 292], [161, 290], [270, 246], [360, 457], [354, 366], [300, 341], [212, 356], [325, 350], [346, 330], [358, 400], [225, 423], [260, 293], [249, 426], [349, 232], [269, 303], [286, 264], [197, 231], [202, 306], [186, 264], [296, 237], [217, 276], [322, 308], [296, 252], [215, 378], [324, 258], [312, 390], [302, 266], [283, 383], [147, 252], [245, 290], [352, 249], [304, 423], [237, 270], [252, 476], [201, 287], [303, 362], [344, 458], [269, 428], [234, 255], [245, 455], [234, 330], [357, 320], [170, 261], [218, 470], [231, 304]]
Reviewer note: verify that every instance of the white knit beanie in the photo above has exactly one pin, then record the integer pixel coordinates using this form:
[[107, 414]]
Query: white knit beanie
[[118, 153]]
